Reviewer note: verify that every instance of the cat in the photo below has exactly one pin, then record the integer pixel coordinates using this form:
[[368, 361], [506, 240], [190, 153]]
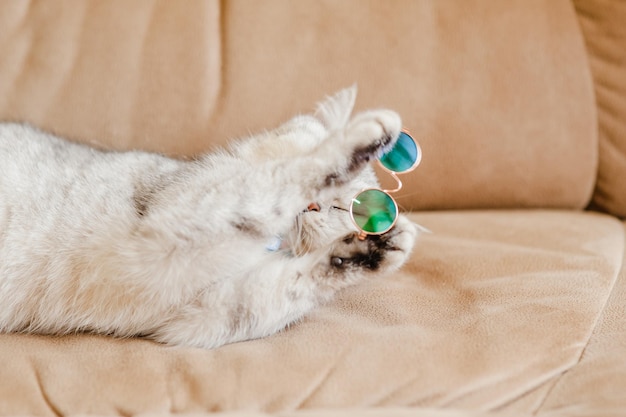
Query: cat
[[230, 246]]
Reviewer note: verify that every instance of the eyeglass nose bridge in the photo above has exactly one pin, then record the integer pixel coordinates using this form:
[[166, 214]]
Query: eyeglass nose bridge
[[398, 182]]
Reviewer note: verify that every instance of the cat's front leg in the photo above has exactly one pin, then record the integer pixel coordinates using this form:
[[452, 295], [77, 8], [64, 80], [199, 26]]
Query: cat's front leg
[[346, 151], [334, 163], [278, 190], [280, 290], [277, 291]]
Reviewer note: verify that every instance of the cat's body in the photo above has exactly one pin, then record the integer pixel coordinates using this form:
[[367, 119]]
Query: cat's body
[[187, 252]]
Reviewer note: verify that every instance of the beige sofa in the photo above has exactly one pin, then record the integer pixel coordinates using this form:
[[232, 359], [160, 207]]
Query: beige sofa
[[514, 305]]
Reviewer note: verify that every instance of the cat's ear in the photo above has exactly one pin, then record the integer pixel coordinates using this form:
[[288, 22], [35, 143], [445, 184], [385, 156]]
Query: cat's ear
[[335, 111]]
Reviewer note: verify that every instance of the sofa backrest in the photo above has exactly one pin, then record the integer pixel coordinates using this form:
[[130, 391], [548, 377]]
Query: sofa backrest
[[499, 94], [603, 23]]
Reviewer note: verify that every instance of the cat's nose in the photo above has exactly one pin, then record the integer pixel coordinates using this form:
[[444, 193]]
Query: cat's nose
[[313, 207]]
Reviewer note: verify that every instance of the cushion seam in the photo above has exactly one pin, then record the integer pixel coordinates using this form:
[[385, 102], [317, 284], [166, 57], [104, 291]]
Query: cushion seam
[[597, 321]]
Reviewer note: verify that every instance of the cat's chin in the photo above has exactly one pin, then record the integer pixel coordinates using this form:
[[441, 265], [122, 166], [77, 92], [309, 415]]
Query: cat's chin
[[317, 232]]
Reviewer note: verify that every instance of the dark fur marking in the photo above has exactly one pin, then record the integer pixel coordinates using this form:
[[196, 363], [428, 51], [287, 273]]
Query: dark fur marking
[[379, 241], [370, 260], [349, 239], [361, 156], [142, 198], [240, 318], [246, 226], [331, 179], [145, 193], [292, 294], [383, 242], [370, 257]]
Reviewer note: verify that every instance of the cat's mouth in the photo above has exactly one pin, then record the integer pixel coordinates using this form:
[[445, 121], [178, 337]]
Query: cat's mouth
[[316, 227]]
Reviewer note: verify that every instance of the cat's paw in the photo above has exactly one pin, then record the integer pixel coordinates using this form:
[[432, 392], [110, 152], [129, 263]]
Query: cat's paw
[[352, 258], [366, 137], [372, 133]]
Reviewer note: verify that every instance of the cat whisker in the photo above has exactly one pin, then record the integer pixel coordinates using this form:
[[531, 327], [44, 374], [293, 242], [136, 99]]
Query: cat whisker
[[421, 228]]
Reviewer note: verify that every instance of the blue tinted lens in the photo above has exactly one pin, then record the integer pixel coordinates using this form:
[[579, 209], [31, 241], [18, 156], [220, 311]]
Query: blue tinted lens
[[403, 156]]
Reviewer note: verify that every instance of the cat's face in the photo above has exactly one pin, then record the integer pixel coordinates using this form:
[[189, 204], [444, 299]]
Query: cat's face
[[323, 222], [327, 220]]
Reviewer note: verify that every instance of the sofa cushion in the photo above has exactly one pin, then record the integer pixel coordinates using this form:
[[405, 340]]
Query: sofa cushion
[[499, 95], [491, 310], [602, 22], [595, 386]]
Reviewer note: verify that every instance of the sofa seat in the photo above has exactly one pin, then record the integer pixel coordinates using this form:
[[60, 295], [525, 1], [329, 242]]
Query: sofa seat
[[519, 312]]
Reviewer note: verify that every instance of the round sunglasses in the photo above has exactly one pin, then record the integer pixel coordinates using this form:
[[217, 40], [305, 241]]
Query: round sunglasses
[[374, 211]]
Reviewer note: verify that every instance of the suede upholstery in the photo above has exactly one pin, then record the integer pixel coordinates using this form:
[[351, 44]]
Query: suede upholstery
[[514, 309], [182, 78], [602, 22]]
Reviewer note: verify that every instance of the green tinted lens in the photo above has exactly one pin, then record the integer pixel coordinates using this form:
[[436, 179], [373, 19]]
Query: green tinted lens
[[374, 211], [403, 156]]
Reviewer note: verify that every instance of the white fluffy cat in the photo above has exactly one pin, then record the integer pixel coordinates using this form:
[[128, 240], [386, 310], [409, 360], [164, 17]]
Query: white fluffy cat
[[187, 252]]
